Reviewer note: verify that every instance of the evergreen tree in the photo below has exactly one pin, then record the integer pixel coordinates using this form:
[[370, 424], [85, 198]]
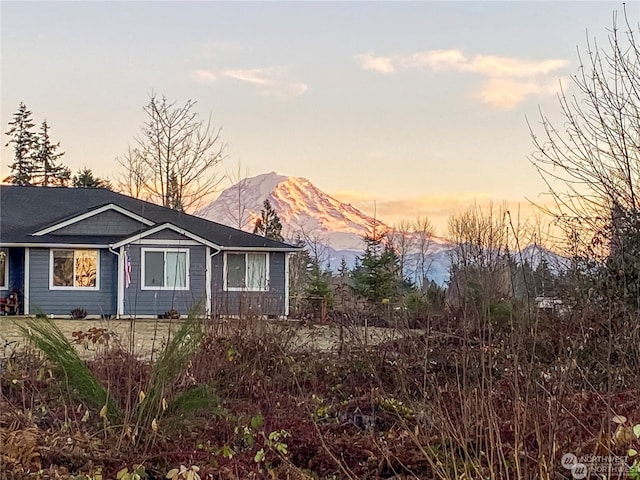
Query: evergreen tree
[[86, 179], [377, 274], [45, 169], [299, 266], [174, 193], [318, 285], [343, 269], [23, 140], [269, 225]]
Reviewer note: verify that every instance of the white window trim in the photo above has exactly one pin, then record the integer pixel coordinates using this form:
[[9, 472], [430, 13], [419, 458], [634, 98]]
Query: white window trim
[[164, 250], [74, 250], [226, 288], [6, 269]]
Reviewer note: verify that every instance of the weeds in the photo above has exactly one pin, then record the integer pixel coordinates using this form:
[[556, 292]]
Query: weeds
[[462, 398]]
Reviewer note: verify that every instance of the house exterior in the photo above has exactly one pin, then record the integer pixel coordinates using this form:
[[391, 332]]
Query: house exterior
[[117, 256]]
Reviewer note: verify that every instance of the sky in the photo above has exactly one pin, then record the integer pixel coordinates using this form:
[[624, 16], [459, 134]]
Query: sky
[[403, 108]]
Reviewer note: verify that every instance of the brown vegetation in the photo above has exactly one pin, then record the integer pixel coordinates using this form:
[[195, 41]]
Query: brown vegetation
[[504, 395]]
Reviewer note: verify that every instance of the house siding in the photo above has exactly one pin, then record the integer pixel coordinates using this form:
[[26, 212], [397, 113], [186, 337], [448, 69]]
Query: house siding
[[108, 222], [61, 302], [166, 234], [271, 302], [138, 302]]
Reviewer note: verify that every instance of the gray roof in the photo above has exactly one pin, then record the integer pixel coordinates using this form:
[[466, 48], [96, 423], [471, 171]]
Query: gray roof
[[25, 210]]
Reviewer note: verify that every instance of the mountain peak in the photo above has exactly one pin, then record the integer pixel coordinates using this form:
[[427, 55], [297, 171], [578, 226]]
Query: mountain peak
[[304, 210]]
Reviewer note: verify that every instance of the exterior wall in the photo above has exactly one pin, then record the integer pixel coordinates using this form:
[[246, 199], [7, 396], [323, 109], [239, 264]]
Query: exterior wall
[[271, 302], [166, 234], [139, 302], [108, 222], [61, 302]]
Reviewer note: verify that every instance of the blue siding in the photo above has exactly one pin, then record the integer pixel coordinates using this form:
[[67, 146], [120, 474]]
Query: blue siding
[[109, 221], [61, 302], [271, 302], [167, 234], [157, 302]]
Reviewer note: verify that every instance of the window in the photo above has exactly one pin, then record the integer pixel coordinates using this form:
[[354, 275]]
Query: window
[[165, 269], [4, 270], [74, 269], [247, 271]]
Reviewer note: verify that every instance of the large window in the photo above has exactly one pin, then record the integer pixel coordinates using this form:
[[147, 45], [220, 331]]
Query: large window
[[165, 269], [247, 271], [4, 270], [74, 269]]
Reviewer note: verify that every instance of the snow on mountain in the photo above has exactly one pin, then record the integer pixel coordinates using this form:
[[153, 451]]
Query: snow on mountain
[[534, 255], [303, 210]]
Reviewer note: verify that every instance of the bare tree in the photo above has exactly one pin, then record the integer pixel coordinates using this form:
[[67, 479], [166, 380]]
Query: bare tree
[[238, 211], [479, 259], [400, 238], [423, 233], [131, 181], [590, 160], [178, 154]]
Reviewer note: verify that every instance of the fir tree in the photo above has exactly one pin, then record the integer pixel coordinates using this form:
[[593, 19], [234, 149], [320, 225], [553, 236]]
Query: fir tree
[[269, 225], [318, 285], [23, 140], [46, 170], [377, 274], [343, 269], [86, 179]]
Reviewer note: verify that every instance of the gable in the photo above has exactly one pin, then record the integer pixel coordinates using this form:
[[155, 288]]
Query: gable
[[83, 224], [168, 234], [108, 222]]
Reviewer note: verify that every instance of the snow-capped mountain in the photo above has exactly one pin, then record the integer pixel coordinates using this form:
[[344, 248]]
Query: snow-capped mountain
[[305, 211]]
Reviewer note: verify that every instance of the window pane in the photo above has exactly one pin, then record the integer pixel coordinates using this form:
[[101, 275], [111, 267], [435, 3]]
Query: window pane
[[256, 271], [176, 269], [63, 268], [3, 268], [154, 269], [86, 268], [235, 270]]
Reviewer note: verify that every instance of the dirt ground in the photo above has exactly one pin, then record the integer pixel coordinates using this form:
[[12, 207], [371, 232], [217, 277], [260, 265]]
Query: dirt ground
[[146, 337]]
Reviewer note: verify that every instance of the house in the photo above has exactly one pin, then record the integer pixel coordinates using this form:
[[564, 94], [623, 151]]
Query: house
[[117, 256]]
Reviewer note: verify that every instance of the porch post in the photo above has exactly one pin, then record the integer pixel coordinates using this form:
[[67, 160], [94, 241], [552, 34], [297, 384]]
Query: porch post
[[25, 293], [207, 280], [286, 283], [121, 260]]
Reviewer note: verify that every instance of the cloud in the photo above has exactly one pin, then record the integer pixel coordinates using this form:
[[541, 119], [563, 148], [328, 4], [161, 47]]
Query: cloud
[[369, 61], [494, 66], [507, 81], [270, 81], [437, 208], [438, 60], [505, 93], [256, 76], [203, 76]]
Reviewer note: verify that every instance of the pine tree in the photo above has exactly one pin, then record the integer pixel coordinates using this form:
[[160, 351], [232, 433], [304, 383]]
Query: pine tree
[[343, 269], [23, 140], [377, 274], [318, 285], [86, 179], [269, 225], [46, 170]]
